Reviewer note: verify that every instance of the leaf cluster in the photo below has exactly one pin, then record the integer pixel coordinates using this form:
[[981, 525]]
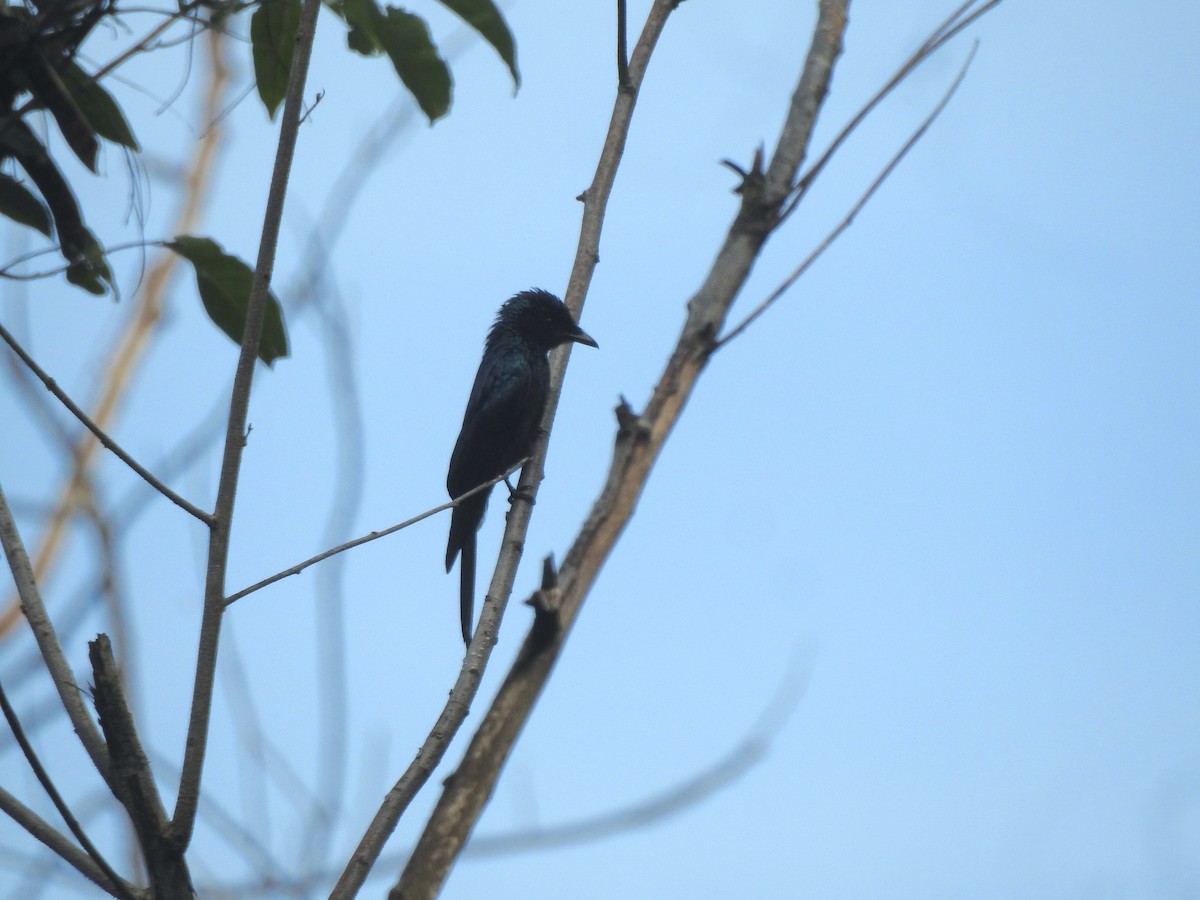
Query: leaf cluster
[[39, 44], [38, 48]]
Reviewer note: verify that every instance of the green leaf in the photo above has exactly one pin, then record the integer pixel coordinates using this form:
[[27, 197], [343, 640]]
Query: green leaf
[[361, 16], [98, 107], [361, 42], [20, 204], [89, 269], [405, 39], [485, 18], [224, 283], [273, 37]]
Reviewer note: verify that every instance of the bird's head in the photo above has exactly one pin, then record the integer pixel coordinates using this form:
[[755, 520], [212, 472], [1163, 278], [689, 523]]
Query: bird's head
[[541, 318]]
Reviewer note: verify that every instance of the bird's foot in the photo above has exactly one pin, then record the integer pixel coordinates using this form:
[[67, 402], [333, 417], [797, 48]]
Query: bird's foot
[[519, 493]]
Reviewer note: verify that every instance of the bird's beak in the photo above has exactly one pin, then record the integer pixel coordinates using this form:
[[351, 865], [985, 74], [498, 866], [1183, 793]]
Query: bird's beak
[[582, 337]]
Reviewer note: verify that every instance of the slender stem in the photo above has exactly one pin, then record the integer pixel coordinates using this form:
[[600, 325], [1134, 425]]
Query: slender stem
[[117, 885], [125, 55], [639, 441], [431, 861], [55, 250], [951, 26], [848, 219], [142, 326], [58, 843], [366, 539], [48, 643], [467, 686], [187, 803], [100, 433]]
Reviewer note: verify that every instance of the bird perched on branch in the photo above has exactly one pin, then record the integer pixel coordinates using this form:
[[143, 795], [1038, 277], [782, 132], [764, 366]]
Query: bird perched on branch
[[502, 418]]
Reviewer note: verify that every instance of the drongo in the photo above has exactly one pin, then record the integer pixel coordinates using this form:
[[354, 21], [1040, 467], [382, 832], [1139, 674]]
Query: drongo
[[502, 418]]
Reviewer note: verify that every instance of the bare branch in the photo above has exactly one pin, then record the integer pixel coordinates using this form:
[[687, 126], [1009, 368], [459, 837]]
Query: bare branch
[[241, 838], [446, 832], [467, 685], [133, 783], [695, 788], [138, 335], [639, 440], [48, 644], [187, 803], [953, 24], [116, 885], [366, 538], [101, 435], [183, 13], [48, 835], [854, 210], [807, 99]]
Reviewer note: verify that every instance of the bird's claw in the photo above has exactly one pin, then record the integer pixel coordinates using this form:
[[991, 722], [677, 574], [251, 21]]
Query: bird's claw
[[519, 493]]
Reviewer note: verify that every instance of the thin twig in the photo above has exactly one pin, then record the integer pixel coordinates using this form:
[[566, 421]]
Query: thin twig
[[695, 788], [184, 820], [134, 785], [430, 862], [100, 433], [48, 643], [854, 210], [55, 249], [41, 405], [946, 30], [43, 831], [144, 44], [366, 538], [478, 653], [950, 32], [140, 331], [117, 886], [639, 441]]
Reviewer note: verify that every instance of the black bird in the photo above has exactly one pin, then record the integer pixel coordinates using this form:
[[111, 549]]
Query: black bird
[[502, 418]]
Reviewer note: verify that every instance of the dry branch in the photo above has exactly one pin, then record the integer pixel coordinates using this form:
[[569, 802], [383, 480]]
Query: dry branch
[[187, 803], [500, 589], [44, 832], [132, 781], [639, 441], [48, 643], [366, 538], [96, 430], [113, 883], [136, 340], [848, 219]]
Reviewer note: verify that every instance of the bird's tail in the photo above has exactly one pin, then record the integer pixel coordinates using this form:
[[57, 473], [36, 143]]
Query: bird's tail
[[466, 587], [464, 522]]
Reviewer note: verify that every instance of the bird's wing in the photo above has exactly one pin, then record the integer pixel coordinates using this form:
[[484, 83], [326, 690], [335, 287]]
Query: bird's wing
[[497, 426]]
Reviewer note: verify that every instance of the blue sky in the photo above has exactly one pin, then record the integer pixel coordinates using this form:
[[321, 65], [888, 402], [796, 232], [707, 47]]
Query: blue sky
[[952, 475]]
